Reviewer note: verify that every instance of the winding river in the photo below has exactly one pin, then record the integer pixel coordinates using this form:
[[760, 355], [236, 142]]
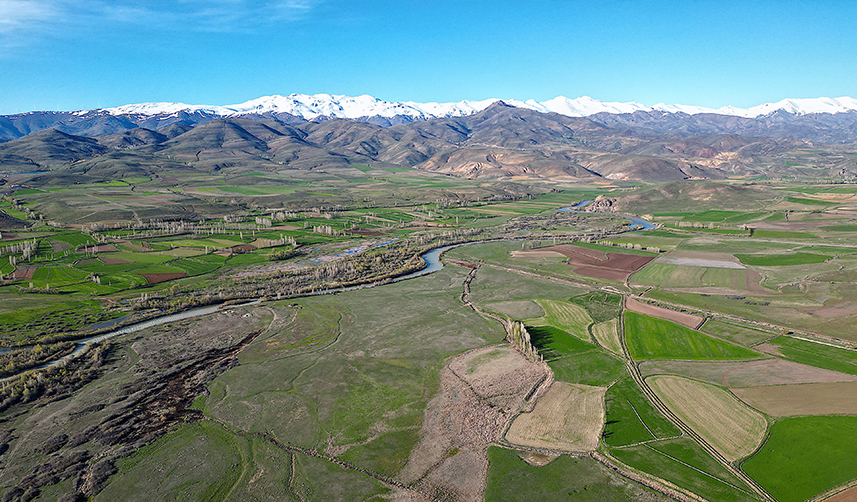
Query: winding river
[[430, 257]]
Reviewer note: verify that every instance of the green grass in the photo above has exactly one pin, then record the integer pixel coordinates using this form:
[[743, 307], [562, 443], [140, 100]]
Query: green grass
[[668, 275], [75, 239], [553, 343], [805, 456], [712, 215], [780, 234], [839, 228], [811, 202], [571, 318], [564, 478], [652, 338], [199, 264], [595, 367], [742, 335], [631, 418], [815, 354], [780, 260], [57, 276], [601, 305], [680, 461]]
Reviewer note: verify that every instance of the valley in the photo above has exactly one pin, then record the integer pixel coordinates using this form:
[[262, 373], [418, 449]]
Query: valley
[[553, 346]]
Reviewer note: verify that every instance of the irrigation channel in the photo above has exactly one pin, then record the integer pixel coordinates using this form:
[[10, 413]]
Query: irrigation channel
[[430, 257]]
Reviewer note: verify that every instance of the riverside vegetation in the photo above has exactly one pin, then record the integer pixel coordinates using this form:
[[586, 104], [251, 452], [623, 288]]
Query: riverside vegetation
[[556, 355]]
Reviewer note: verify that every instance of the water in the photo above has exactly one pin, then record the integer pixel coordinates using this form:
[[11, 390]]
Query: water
[[637, 224]]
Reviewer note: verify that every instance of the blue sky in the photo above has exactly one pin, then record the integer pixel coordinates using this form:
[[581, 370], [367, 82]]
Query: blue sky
[[69, 55]]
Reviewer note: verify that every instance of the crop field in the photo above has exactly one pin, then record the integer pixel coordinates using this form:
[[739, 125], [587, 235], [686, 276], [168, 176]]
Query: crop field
[[652, 338], [834, 398], [690, 320], [607, 335], [512, 478], [631, 418], [742, 335], [732, 374], [593, 367], [727, 424], [568, 317], [805, 456], [684, 463], [554, 343], [666, 275], [814, 354], [568, 417]]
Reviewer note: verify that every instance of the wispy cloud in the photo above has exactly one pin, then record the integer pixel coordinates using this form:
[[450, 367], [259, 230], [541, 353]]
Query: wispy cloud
[[24, 21]]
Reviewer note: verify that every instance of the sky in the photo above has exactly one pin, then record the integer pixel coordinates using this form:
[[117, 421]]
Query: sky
[[83, 54]]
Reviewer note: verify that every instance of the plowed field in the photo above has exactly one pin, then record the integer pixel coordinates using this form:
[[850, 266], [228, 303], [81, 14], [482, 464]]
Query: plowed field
[[689, 320]]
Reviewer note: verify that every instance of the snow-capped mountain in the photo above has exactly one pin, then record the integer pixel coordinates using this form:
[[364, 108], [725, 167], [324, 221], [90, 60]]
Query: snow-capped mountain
[[310, 107]]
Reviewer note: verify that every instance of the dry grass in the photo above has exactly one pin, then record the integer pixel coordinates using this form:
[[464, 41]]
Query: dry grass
[[802, 399], [746, 373], [607, 334], [727, 424], [568, 417]]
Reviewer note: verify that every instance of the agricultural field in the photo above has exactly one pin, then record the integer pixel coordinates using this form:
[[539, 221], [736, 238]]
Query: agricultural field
[[568, 417], [712, 356], [652, 338], [731, 427]]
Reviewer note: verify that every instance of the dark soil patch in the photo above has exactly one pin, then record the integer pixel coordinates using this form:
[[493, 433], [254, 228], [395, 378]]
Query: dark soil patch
[[114, 261], [157, 278], [603, 273], [23, 272]]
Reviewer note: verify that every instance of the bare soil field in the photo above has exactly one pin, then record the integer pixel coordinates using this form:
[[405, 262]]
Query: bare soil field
[[746, 373], [114, 261], [689, 320], [158, 278], [802, 399], [577, 254], [701, 259], [481, 390], [849, 495], [602, 273], [23, 272], [626, 262], [731, 427], [607, 334], [568, 417]]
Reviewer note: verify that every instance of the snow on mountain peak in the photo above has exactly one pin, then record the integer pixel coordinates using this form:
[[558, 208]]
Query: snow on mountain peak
[[313, 106]]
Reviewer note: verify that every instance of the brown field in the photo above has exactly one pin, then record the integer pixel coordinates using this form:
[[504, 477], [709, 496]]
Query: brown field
[[802, 399], [591, 263], [156, 278], [568, 417], [689, 320], [114, 261], [746, 373], [100, 248], [607, 334], [849, 495], [602, 273], [731, 427], [22, 272]]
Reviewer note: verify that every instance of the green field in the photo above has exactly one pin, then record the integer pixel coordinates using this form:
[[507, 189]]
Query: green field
[[805, 456], [565, 478], [780, 260], [631, 418], [816, 354], [666, 275], [553, 343], [742, 335], [682, 462], [568, 317], [594, 367], [652, 338]]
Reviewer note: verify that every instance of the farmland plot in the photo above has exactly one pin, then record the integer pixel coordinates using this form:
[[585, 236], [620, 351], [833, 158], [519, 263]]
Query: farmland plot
[[689, 320], [607, 334], [802, 399], [726, 423], [568, 417], [568, 317], [652, 338]]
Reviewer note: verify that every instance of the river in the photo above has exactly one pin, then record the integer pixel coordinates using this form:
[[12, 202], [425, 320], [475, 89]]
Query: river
[[430, 257]]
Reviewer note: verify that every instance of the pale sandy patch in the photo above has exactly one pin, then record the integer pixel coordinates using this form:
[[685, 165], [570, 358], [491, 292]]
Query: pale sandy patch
[[802, 399]]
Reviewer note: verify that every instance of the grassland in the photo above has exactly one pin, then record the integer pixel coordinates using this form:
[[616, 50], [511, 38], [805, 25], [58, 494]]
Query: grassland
[[583, 479], [568, 317], [781, 260], [805, 456], [731, 427], [607, 335], [631, 418], [818, 355], [651, 338], [736, 333]]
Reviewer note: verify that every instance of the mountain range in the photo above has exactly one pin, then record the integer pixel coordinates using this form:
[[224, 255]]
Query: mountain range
[[498, 142], [799, 118]]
